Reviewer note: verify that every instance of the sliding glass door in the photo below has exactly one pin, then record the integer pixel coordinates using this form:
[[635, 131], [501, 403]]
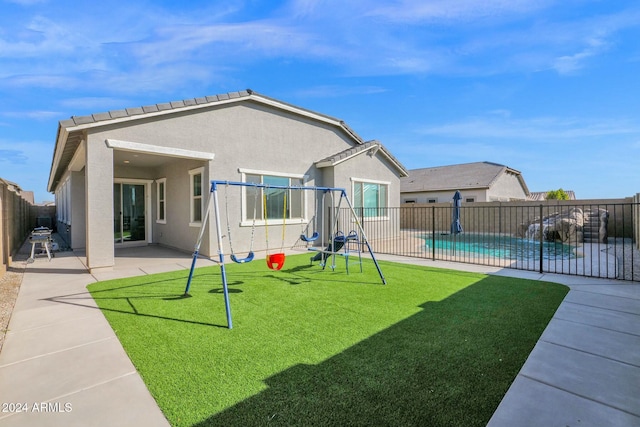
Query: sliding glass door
[[129, 212]]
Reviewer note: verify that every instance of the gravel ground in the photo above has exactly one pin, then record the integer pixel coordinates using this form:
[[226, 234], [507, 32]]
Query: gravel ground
[[631, 261], [9, 287]]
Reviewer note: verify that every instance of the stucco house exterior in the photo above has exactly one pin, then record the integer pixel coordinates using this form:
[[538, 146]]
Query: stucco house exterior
[[141, 176], [477, 182]]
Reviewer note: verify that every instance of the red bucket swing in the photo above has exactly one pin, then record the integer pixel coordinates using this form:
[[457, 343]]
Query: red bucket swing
[[275, 261]]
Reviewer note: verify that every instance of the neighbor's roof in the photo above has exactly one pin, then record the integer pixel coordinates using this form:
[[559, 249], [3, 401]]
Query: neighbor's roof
[[368, 147], [70, 131], [457, 177], [538, 196], [11, 185]]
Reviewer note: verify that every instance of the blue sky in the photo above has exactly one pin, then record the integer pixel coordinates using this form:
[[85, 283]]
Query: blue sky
[[550, 88]]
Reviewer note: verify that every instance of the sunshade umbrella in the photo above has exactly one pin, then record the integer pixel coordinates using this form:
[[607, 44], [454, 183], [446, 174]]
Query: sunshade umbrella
[[456, 227]]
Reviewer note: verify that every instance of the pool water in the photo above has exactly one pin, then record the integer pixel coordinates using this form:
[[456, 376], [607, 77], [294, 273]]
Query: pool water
[[505, 247]]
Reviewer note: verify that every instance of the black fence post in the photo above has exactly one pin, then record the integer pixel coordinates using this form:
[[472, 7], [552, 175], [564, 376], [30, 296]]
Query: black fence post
[[541, 239], [433, 233]]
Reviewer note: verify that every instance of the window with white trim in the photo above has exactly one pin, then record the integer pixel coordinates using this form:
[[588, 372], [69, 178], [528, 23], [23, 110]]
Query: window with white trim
[[195, 195], [63, 202], [161, 207], [370, 198], [280, 203]]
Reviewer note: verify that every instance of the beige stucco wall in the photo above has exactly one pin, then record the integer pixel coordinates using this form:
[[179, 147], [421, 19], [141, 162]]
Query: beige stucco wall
[[78, 231], [478, 194], [99, 203], [176, 232], [378, 170], [242, 136], [3, 258], [507, 217], [506, 188]]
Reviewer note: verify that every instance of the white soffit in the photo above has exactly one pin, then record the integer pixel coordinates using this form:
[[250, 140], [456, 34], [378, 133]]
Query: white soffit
[[137, 147], [78, 161]]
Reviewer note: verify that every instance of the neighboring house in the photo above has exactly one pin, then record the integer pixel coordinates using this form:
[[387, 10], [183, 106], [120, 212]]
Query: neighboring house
[[140, 175], [538, 196], [477, 182]]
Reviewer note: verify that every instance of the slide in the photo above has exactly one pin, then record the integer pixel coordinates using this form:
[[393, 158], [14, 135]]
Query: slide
[[338, 243]]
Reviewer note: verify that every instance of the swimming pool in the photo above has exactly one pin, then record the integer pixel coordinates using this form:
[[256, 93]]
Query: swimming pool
[[496, 246]]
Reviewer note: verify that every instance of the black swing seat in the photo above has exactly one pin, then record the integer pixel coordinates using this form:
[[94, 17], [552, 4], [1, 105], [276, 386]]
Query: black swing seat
[[248, 258], [311, 238]]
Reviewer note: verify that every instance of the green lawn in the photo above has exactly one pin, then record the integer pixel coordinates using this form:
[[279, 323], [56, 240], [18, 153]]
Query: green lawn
[[311, 347]]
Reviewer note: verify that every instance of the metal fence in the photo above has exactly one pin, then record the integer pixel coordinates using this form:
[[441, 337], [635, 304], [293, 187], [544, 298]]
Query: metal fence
[[592, 240]]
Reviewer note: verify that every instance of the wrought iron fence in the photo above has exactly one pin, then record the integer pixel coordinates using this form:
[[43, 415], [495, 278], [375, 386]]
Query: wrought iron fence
[[592, 240]]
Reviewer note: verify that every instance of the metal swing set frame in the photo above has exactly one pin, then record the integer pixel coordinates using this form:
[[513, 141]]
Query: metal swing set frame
[[213, 198]]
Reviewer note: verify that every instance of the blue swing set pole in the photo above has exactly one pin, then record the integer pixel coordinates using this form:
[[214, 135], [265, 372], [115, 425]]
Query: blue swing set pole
[[223, 271], [196, 250], [364, 236], [213, 196], [279, 187], [343, 193]]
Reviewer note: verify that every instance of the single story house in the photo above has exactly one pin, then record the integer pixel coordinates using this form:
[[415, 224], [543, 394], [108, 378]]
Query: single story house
[[477, 182], [140, 176]]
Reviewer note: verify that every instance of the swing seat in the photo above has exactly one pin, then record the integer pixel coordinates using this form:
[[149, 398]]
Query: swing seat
[[248, 258], [311, 238], [275, 261]]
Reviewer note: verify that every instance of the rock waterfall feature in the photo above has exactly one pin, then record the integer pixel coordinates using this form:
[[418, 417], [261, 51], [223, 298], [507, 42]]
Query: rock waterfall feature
[[574, 226]]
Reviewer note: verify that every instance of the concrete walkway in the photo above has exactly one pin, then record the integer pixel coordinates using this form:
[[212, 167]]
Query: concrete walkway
[[62, 364], [585, 369]]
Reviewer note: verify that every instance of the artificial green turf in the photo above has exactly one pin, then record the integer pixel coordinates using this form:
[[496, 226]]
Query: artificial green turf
[[311, 347]]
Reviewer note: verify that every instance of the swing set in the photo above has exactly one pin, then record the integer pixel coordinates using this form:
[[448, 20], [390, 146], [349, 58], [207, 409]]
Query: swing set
[[275, 261]]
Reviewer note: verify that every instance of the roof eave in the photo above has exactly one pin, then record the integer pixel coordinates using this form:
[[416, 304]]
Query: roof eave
[[524, 185], [82, 123], [251, 96], [378, 147], [61, 141]]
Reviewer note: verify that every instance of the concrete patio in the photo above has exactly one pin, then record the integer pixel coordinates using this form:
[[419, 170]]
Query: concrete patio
[[62, 364]]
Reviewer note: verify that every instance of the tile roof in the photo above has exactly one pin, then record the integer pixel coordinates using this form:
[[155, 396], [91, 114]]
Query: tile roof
[[344, 155], [194, 103], [155, 108], [10, 184], [69, 130], [455, 177], [538, 196]]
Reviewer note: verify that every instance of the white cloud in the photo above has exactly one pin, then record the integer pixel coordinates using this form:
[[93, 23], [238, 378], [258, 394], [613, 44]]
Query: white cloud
[[142, 47], [92, 102], [27, 163], [335, 91], [460, 10], [545, 129], [27, 2], [34, 114]]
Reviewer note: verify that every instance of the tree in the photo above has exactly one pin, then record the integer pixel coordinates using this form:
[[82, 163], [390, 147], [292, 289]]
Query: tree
[[558, 194]]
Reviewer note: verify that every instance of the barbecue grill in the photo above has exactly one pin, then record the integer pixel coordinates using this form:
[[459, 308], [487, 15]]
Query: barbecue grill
[[40, 236]]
